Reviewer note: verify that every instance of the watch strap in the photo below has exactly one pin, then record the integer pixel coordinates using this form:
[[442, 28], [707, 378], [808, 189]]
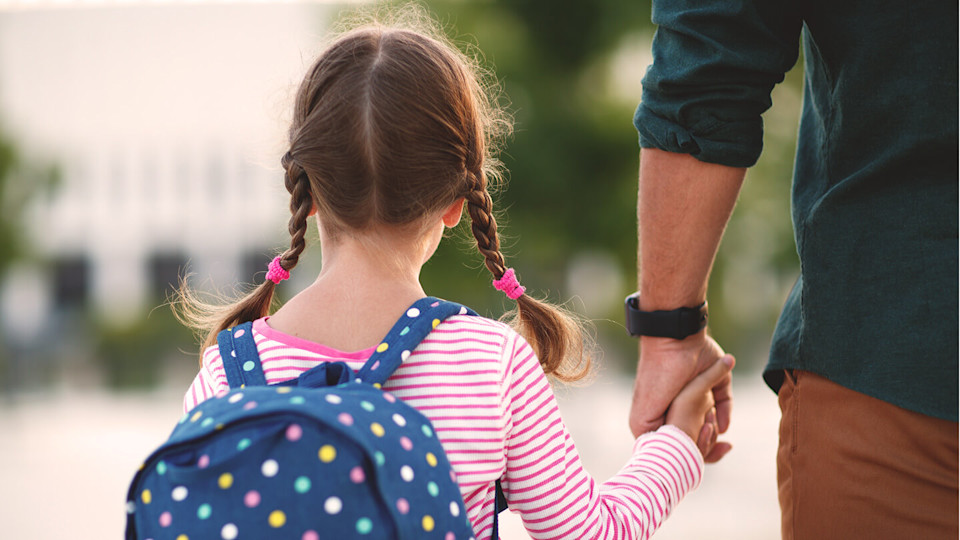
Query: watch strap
[[677, 323]]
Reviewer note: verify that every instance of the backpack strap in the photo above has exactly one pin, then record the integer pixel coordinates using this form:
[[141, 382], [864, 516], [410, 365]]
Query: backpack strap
[[241, 362], [414, 325]]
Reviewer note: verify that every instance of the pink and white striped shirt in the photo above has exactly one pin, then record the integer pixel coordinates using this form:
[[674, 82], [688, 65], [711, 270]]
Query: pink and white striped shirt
[[482, 387]]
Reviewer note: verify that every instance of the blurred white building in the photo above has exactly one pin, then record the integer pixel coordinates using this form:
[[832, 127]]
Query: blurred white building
[[167, 121]]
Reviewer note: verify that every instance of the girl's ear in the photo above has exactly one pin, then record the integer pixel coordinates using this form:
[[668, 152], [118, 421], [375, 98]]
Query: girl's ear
[[451, 217]]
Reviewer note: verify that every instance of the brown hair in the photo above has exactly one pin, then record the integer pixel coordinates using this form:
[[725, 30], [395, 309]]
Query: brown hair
[[391, 124]]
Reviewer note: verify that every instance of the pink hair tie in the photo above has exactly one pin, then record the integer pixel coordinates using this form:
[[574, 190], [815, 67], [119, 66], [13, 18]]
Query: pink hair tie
[[275, 272], [509, 285]]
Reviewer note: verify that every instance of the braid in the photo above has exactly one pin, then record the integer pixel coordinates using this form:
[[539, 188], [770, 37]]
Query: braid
[[484, 225], [301, 203]]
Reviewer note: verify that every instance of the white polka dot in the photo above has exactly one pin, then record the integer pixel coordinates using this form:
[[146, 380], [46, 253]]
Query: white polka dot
[[333, 398], [401, 421], [233, 354], [413, 313], [454, 509], [131, 507], [333, 505], [236, 397], [229, 531], [179, 493], [406, 473], [270, 468], [463, 310], [404, 355]]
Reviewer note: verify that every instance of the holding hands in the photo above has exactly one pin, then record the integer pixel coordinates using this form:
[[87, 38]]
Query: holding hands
[[686, 383]]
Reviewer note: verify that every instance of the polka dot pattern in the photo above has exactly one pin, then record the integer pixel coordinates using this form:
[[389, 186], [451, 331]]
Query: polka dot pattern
[[267, 467]]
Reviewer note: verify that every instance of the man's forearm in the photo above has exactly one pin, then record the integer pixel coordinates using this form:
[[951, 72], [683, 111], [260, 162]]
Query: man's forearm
[[683, 207]]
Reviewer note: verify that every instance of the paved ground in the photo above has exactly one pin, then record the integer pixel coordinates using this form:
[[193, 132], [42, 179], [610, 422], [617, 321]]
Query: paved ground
[[67, 457]]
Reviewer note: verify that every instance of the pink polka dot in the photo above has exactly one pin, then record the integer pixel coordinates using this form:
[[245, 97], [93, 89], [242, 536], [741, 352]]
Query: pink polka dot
[[238, 333], [310, 535], [203, 462], [345, 419], [166, 519], [375, 365], [453, 476], [249, 405], [406, 443], [435, 304], [450, 536], [403, 506], [223, 392], [294, 432], [251, 499], [356, 475], [389, 397]]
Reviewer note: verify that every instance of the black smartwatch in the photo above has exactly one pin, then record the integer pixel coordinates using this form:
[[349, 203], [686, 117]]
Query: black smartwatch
[[676, 324]]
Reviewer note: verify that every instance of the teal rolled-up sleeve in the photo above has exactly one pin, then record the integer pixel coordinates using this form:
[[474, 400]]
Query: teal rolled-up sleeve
[[715, 63]]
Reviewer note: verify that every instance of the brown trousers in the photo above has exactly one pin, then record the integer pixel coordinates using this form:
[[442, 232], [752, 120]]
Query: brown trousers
[[851, 466]]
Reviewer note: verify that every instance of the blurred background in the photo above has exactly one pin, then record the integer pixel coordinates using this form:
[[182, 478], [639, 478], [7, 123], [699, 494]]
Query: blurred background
[[140, 142]]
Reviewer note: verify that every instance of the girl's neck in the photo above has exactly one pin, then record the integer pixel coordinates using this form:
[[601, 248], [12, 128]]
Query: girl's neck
[[364, 285]]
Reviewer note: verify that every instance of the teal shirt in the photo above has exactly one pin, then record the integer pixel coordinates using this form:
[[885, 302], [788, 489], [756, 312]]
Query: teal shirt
[[875, 181]]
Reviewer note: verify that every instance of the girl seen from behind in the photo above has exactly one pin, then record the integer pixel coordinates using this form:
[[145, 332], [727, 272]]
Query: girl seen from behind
[[393, 134]]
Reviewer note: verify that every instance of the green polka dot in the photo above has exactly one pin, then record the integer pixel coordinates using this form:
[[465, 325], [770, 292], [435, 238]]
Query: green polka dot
[[405, 330], [298, 400], [433, 489], [426, 430], [378, 457], [367, 406], [206, 422], [204, 511], [161, 468], [302, 484], [364, 526], [248, 365], [243, 444]]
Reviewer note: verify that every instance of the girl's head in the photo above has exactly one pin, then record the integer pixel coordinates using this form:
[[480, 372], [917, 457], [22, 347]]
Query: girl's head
[[391, 125]]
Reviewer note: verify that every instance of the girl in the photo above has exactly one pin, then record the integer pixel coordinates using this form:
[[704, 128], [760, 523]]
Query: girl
[[391, 137]]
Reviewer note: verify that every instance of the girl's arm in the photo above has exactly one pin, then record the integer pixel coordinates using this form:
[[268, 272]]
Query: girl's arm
[[210, 380], [545, 481]]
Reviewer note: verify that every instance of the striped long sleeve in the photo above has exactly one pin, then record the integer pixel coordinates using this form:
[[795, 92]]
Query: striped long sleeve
[[493, 409]]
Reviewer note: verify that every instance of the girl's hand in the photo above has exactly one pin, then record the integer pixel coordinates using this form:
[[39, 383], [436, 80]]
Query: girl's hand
[[693, 409]]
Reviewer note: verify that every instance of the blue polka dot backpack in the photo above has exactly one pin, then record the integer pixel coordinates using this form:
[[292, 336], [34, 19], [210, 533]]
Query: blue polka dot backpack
[[326, 455]]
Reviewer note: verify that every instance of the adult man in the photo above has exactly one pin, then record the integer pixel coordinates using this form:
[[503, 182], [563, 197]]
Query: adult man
[[868, 335]]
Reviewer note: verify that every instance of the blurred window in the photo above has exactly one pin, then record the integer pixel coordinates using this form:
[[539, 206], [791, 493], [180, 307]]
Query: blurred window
[[71, 282], [166, 269]]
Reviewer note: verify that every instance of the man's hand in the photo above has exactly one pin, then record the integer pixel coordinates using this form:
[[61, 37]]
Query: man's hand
[[665, 367]]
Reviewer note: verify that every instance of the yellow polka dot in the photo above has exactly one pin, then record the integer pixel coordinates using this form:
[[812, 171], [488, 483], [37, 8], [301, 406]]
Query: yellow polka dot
[[427, 523], [327, 453], [435, 323], [377, 385], [218, 427], [196, 416], [277, 519], [142, 466], [431, 459], [377, 429], [146, 497], [183, 537], [284, 390], [382, 347], [225, 480]]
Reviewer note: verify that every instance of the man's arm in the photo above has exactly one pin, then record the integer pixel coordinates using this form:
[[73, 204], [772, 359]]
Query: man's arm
[[683, 206]]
